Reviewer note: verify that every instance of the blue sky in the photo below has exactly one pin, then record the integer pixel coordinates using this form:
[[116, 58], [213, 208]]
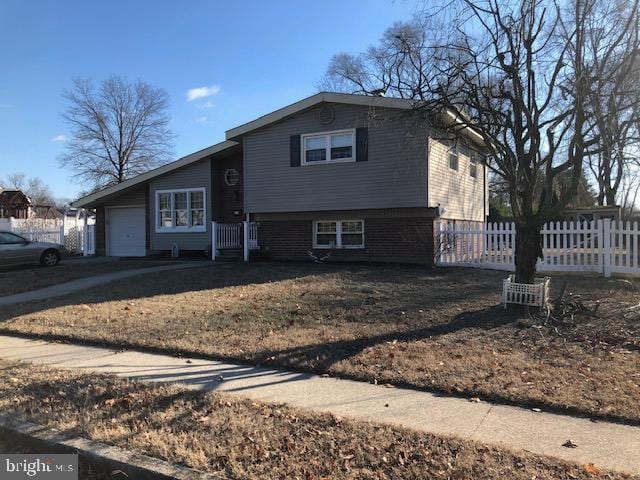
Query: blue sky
[[257, 56]]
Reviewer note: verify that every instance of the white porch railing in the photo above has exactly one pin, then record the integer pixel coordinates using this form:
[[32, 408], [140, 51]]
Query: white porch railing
[[234, 235], [253, 236], [604, 246], [228, 235]]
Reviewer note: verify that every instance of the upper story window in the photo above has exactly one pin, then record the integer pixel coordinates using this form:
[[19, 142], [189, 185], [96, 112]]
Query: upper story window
[[181, 210], [453, 155], [474, 158], [329, 147]]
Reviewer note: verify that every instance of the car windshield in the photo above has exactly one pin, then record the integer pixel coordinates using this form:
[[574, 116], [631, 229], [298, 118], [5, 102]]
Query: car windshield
[[7, 238]]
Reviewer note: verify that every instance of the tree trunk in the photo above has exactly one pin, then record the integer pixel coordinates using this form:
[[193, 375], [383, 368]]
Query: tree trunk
[[528, 250]]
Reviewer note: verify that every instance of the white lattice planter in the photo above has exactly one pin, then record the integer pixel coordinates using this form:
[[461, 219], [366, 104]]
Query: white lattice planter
[[535, 294]]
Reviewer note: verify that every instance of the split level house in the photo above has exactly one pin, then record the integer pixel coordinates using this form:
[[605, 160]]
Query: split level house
[[349, 176]]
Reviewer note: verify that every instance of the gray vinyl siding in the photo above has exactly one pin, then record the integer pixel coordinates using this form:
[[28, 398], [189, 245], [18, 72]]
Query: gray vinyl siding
[[393, 177], [197, 175], [130, 198]]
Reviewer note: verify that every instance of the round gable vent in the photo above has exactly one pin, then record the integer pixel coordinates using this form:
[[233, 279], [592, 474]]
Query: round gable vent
[[326, 115], [231, 177]]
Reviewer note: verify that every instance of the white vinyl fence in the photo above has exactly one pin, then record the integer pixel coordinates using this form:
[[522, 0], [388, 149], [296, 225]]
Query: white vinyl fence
[[604, 246], [35, 230], [68, 233]]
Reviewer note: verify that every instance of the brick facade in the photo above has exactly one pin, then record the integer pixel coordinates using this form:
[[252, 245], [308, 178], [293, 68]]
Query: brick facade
[[228, 200], [390, 239]]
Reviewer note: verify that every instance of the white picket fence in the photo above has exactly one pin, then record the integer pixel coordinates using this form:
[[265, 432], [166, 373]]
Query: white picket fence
[[604, 246]]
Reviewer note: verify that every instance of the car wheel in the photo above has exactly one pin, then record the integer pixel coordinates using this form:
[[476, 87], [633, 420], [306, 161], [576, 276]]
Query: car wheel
[[50, 258]]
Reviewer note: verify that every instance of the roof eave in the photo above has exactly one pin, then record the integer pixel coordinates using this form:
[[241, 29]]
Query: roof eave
[[95, 199], [309, 102]]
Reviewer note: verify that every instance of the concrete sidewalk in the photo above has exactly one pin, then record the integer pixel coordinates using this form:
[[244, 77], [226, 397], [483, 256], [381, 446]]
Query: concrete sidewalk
[[607, 445], [80, 284]]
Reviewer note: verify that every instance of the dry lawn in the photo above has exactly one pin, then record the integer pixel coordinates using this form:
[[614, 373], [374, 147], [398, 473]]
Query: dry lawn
[[441, 330], [241, 439], [24, 278]]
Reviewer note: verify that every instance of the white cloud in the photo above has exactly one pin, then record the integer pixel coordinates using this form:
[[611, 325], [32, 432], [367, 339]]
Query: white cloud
[[207, 104], [202, 92], [202, 119], [59, 138]]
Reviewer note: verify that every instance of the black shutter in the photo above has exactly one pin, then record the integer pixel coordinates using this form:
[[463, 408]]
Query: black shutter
[[362, 144], [295, 150]]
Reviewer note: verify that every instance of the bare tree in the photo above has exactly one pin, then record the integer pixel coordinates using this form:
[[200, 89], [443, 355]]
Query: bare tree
[[614, 96], [117, 131], [629, 193], [33, 187], [516, 72]]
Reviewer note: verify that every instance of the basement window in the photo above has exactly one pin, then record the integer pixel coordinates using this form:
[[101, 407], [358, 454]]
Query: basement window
[[338, 234]]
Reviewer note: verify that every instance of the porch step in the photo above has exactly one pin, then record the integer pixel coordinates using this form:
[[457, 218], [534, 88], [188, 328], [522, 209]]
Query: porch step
[[229, 255]]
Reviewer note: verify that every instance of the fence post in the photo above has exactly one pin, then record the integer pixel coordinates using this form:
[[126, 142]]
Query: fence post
[[62, 235], [85, 234], [214, 240], [606, 247], [245, 238]]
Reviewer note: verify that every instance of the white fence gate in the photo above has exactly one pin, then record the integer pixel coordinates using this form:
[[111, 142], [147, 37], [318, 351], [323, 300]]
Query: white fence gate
[[604, 246]]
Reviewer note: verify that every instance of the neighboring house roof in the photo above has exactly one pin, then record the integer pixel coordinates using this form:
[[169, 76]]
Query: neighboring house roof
[[182, 162], [309, 102], [11, 195]]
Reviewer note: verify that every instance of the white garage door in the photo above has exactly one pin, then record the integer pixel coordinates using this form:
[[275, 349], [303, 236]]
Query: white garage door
[[126, 232]]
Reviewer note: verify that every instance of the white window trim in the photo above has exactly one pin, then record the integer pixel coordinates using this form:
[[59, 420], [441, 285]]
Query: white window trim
[[189, 229], [327, 135], [473, 154], [338, 235], [453, 149]]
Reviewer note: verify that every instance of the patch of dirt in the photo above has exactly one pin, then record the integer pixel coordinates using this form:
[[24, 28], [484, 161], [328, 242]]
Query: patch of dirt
[[441, 329], [237, 438]]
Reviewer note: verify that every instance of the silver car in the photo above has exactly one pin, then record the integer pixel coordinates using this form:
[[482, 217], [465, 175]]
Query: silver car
[[16, 250]]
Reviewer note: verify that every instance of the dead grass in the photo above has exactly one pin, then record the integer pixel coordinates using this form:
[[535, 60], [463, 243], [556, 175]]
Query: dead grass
[[24, 278], [442, 330], [236, 438]]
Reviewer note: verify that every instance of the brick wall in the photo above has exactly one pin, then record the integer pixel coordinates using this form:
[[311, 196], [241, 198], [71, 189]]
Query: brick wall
[[386, 239], [228, 199]]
